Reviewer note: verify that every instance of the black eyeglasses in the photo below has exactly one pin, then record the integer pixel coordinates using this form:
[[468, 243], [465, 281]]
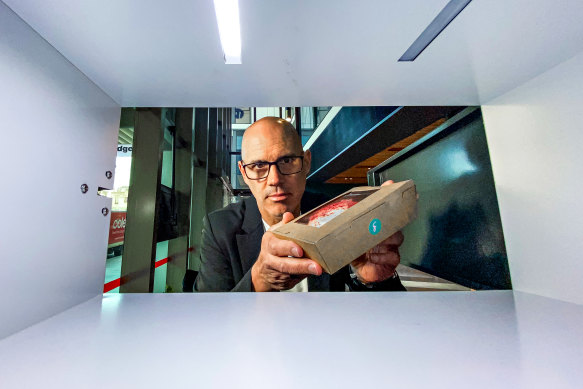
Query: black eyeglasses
[[285, 165]]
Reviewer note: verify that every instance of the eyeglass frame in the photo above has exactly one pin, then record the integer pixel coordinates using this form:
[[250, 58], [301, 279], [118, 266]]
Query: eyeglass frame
[[301, 157]]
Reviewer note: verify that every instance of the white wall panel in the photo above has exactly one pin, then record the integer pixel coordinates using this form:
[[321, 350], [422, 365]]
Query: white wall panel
[[59, 131], [535, 135]]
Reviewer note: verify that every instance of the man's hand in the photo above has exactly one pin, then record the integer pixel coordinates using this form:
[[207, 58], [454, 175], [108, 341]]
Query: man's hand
[[380, 262], [273, 270]]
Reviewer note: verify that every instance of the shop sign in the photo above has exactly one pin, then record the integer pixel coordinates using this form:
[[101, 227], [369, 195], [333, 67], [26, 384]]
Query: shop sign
[[117, 227], [124, 150]]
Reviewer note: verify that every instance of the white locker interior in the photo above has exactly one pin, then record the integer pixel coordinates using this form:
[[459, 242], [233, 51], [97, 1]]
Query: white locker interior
[[67, 68]]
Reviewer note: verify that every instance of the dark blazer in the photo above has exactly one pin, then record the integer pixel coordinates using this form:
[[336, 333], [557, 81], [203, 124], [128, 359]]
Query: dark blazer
[[231, 242]]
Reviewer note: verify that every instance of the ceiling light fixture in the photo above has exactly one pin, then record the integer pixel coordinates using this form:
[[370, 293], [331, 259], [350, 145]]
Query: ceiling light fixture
[[441, 21], [229, 29]]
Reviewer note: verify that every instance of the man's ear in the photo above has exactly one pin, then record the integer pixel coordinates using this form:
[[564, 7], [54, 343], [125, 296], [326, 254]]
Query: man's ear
[[242, 170], [307, 161]]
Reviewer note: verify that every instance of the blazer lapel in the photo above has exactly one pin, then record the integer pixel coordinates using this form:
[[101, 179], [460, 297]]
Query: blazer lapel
[[249, 241]]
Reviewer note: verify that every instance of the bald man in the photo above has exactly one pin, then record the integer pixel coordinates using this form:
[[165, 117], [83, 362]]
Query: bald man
[[238, 252]]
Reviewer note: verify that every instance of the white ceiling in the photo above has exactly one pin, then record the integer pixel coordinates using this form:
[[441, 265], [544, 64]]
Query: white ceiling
[[307, 53]]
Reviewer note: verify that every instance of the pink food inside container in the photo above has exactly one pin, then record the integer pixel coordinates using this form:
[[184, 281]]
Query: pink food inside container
[[329, 212]]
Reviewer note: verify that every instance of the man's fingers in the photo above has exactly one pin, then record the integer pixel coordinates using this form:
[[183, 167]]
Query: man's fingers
[[392, 243], [286, 280], [288, 284], [295, 266], [383, 248], [389, 182], [391, 258], [284, 248], [394, 240]]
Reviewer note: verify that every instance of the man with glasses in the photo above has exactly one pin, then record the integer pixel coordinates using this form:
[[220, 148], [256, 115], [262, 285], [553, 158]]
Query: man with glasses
[[238, 253]]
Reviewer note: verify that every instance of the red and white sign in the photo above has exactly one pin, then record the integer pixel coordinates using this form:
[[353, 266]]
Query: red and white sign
[[117, 227]]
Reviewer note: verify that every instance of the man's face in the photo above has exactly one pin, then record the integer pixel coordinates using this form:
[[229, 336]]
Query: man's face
[[277, 193]]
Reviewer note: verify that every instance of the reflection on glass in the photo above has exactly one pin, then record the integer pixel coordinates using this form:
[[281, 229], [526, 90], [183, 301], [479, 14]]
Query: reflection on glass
[[161, 267], [320, 114], [456, 163], [168, 158]]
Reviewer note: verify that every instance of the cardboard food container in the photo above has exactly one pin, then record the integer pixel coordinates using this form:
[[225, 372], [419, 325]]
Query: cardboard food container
[[342, 229]]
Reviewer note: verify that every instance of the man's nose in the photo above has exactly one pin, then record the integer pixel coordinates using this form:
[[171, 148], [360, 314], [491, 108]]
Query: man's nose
[[273, 176]]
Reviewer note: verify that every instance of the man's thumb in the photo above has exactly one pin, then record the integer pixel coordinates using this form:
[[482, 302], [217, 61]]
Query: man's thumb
[[287, 217]]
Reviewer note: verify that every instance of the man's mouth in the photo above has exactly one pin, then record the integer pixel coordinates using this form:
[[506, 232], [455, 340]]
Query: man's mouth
[[278, 196]]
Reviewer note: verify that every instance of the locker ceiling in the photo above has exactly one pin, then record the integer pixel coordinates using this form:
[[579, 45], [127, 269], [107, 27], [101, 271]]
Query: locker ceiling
[[307, 53]]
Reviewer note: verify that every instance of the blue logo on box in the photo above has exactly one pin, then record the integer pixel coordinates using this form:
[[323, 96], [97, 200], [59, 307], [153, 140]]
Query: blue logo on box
[[374, 227]]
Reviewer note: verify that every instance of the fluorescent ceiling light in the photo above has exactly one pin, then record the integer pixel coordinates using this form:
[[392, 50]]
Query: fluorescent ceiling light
[[228, 20], [441, 21]]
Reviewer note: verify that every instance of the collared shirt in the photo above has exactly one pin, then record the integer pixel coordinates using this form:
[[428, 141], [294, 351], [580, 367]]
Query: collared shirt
[[301, 286]]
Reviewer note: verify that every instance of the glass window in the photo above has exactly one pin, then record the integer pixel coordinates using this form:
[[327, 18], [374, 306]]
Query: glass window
[[168, 158], [242, 115], [117, 224]]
